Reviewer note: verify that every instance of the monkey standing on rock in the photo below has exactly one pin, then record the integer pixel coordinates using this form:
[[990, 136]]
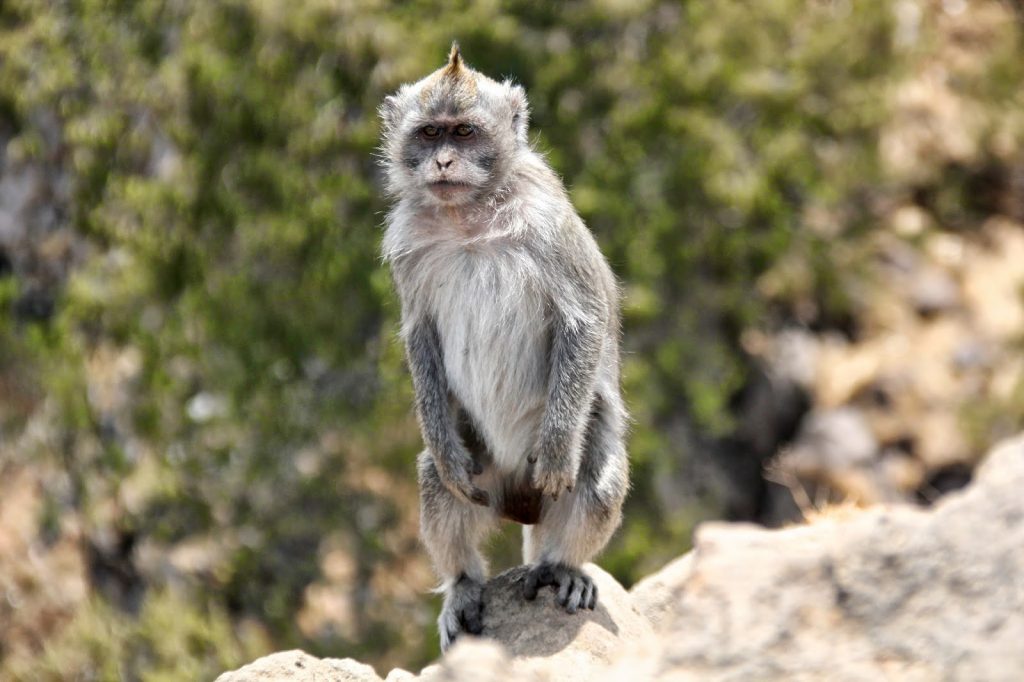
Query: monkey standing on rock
[[510, 322]]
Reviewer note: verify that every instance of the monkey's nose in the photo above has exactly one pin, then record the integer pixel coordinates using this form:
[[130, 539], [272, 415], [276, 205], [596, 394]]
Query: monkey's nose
[[443, 163]]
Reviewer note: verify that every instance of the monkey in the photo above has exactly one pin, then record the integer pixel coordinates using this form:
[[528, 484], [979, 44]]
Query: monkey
[[510, 321]]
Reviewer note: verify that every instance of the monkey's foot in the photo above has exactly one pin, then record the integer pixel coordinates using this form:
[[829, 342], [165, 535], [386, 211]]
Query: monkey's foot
[[463, 611], [575, 588]]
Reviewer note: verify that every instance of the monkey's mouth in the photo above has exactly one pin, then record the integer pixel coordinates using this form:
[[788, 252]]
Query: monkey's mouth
[[449, 185]]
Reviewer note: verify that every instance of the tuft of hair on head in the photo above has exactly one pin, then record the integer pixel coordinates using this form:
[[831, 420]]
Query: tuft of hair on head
[[456, 70], [454, 60], [454, 82]]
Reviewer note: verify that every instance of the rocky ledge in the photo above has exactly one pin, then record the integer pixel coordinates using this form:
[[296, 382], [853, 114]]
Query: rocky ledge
[[895, 593]]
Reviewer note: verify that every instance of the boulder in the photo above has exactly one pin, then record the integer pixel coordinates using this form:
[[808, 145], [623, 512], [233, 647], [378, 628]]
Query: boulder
[[525, 640], [298, 666], [884, 593], [896, 593], [473, 659], [655, 596], [547, 641]]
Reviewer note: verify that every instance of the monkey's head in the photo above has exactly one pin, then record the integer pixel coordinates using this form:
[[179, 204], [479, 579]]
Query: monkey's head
[[451, 138]]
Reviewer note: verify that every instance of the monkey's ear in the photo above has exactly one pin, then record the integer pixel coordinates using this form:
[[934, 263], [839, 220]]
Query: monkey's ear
[[520, 111], [388, 112]]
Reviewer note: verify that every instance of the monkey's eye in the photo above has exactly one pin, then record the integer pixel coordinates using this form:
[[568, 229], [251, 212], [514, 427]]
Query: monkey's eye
[[463, 130], [430, 132]]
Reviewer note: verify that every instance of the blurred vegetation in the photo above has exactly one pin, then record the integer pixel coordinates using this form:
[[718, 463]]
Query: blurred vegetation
[[222, 364], [164, 643]]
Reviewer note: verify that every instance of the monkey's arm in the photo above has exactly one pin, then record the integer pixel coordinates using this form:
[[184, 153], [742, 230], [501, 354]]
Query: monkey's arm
[[454, 464], [577, 337]]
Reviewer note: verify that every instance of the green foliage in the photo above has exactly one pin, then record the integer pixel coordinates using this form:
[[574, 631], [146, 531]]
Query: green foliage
[[223, 168], [12, 354], [171, 639]]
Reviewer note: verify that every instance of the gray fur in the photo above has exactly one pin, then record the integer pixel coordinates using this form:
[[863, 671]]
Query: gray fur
[[462, 611], [510, 320], [423, 350]]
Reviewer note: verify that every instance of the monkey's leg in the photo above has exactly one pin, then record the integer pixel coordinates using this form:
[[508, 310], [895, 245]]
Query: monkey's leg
[[576, 526], [452, 531]]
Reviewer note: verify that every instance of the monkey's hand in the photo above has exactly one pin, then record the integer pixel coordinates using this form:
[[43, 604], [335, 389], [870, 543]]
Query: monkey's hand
[[455, 468], [552, 470]]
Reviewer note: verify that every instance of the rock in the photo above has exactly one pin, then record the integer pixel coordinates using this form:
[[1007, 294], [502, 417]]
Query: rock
[[896, 593], [933, 291], [910, 221], [538, 640], [992, 283], [833, 440], [473, 660], [547, 642], [887, 593], [298, 666], [544, 637], [653, 597], [836, 448]]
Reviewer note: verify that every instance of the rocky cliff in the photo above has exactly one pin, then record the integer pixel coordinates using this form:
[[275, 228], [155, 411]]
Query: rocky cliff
[[895, 593]]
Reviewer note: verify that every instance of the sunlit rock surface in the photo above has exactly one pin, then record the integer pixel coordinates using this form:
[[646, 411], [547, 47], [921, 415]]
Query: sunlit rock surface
[[896, 593]]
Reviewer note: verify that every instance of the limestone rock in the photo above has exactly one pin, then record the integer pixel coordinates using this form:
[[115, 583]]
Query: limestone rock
[[298, 666], [894, 593], [473, 660], [547, 640], [887, 593], [654, 596]]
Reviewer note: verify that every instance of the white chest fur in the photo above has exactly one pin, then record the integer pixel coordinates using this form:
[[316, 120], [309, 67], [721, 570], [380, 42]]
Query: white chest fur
[[489, 305]]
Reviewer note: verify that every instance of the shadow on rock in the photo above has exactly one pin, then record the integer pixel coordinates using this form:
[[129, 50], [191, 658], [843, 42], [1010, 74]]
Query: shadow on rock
[[513, 621], [543, 639]]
